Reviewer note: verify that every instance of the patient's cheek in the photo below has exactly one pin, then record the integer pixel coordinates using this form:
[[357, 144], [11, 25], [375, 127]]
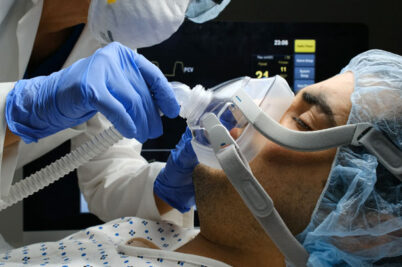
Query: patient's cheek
[[272, 151]]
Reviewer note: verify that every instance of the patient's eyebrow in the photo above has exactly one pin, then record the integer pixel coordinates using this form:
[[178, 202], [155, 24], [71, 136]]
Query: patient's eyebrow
[[318, 100]]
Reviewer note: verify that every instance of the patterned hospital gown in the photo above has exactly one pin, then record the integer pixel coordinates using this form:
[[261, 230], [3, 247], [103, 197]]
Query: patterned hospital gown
[[106, 245]]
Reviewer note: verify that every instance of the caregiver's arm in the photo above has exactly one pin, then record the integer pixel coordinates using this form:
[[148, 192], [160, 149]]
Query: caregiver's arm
[[10, 138]]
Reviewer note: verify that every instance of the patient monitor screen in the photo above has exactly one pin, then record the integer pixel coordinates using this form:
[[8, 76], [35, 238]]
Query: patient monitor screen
[[209, 54]]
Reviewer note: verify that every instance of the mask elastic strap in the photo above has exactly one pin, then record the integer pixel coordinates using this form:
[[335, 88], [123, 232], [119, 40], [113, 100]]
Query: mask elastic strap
[[295, 140], [253, 194], [386, 152], [360, 134]]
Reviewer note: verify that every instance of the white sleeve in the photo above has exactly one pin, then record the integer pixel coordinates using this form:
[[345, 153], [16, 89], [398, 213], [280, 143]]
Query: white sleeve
[[9, 156], [120, 181]]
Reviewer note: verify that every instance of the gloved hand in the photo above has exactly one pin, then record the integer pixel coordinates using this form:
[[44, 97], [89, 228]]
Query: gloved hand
[[174, 183], [115, 80]]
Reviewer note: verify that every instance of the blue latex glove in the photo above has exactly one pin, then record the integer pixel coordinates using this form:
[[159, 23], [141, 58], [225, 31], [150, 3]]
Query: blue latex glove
[[174, 183], [115, 80]]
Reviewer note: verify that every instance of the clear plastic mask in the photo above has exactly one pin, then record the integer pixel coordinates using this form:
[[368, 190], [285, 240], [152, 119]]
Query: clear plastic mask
[[272, 95]]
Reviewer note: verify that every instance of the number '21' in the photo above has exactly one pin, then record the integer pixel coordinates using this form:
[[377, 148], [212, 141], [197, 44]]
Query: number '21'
[[260, 74]]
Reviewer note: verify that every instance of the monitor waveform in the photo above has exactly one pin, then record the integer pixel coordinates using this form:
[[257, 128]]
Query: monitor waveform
[[177, 65]]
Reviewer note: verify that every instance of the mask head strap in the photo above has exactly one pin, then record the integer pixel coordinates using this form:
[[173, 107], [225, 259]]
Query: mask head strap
[[386, 152], [253, 194], [360, 134]]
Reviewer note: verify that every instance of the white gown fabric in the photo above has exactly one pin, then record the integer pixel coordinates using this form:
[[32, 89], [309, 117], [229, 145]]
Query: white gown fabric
[[118, 183], [111, 244]]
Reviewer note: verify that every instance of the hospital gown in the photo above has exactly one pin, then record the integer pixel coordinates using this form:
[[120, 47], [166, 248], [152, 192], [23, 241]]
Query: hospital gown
[[108, 245]]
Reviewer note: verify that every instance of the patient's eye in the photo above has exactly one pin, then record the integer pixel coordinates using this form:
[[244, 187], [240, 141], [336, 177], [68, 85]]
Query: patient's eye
[[301, 124]]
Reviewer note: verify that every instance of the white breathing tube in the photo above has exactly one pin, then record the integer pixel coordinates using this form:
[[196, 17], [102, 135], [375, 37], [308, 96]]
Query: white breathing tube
[[59, 168], [71, 161]]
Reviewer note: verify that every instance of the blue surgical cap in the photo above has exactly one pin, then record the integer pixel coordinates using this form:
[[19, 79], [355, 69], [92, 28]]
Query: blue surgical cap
[[358, 218]]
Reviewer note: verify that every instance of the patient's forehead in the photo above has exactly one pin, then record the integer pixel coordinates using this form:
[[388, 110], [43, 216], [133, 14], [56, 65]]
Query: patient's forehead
[[340, 85]]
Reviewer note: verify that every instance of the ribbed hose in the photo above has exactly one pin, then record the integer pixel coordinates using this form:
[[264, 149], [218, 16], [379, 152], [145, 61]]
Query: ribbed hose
[[56, 170]]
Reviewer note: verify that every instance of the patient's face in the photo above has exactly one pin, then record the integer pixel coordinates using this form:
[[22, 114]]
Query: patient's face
[[294, 180]]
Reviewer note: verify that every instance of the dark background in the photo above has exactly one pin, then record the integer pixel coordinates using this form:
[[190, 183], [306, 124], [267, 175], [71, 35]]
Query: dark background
[[383, 18]]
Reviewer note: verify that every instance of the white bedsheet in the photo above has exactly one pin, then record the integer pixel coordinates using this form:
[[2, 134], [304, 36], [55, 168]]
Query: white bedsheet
[[106, 245]]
